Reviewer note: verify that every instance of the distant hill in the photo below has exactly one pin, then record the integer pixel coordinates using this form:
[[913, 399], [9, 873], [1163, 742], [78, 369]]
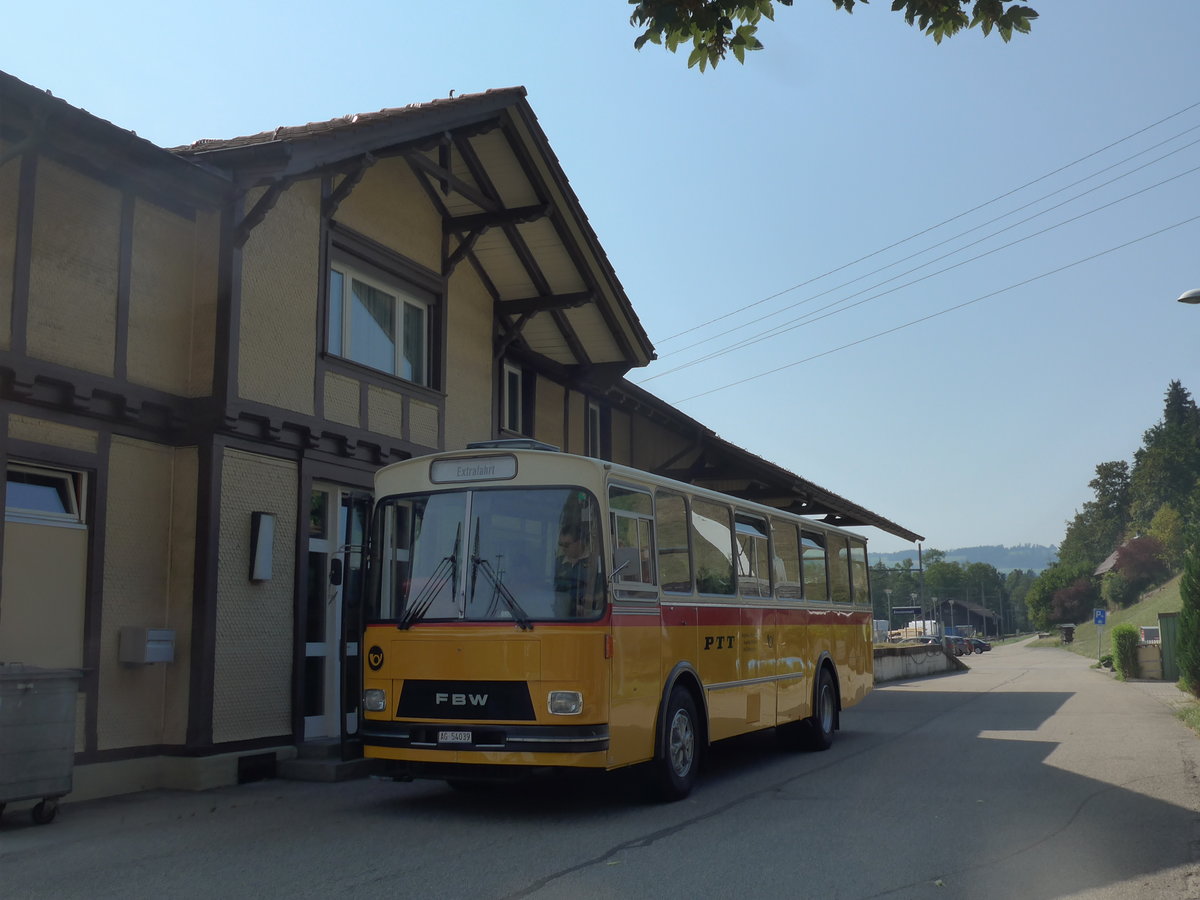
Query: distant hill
[[1024, 556]]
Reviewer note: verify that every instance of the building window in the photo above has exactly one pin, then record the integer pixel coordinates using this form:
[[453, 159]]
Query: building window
[[512, 407], [44, 496], [592, 436], [379, 321]]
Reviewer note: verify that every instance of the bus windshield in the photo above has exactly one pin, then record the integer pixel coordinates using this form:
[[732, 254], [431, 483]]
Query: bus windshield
[[510, 554]]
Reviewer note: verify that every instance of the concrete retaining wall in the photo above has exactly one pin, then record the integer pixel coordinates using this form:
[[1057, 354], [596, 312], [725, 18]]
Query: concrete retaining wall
[[896, 663]]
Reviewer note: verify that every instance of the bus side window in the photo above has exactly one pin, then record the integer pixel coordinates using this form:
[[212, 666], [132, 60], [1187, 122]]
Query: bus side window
[[753, 570], [674, 557], [785, 561], [712, 540], [816, 584], [858, 573], [839, 569], [632, 515]]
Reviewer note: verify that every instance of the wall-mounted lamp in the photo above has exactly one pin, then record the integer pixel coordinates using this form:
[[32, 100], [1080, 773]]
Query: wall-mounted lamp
[[262, 545]]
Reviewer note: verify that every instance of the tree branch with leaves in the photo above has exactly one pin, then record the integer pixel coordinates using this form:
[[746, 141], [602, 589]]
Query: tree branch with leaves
[[716, 28]]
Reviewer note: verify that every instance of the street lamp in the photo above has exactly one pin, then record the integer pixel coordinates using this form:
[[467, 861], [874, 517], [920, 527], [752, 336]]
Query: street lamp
[[1190, 296]]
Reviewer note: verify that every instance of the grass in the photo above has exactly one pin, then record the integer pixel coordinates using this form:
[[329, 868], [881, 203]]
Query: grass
[[1145, 612], [1190, 716]]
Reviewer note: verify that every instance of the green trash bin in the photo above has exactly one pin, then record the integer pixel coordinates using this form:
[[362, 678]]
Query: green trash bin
[[37, 736]]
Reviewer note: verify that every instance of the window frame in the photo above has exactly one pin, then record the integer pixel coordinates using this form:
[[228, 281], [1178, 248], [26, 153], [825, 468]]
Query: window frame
[[71, 487], [404, 291]]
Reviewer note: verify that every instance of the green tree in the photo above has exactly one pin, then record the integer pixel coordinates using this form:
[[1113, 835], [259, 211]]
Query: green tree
[[1167, 465], [715, 28], [1169, 529], [1039, 599], [1187, 650], [1100, 526]]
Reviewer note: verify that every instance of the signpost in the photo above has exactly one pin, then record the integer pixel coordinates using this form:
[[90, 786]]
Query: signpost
[[1099, 618]]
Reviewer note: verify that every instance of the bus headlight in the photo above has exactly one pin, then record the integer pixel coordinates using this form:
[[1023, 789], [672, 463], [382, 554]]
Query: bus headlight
[[374, 699], [565, 703]]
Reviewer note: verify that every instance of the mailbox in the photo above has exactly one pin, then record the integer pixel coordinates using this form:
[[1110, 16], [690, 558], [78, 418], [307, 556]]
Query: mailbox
[[139, 646]]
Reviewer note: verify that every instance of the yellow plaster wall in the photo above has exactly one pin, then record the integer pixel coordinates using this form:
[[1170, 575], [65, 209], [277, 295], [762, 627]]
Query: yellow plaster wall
[[469, 360], [10, 174], [73, 273], [341, 399], [149, 549], [423, 424], [548, 412], [39, 431], [207, 235], [42, 594], [278, 337], [620, 438], [576, 422], [385, 411], [252, 686], [389, 206], [171, 324]]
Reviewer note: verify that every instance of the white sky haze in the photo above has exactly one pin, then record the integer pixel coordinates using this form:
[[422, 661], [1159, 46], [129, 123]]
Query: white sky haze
[[963, 382]]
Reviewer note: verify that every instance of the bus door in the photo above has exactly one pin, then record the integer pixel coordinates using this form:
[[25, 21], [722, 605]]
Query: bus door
[[636, 625]]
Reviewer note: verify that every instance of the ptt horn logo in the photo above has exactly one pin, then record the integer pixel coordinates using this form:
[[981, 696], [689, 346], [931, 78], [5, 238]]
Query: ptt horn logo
[[375, 658]]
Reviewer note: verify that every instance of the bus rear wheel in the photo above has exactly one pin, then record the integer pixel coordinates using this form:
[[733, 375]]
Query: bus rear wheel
[[677, 763], [815, 732]]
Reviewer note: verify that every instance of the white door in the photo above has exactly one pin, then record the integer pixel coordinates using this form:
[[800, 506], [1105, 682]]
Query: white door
[[337, 527]]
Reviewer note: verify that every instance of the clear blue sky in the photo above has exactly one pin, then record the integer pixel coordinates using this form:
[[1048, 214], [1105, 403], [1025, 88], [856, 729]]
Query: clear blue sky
[[711, 192]]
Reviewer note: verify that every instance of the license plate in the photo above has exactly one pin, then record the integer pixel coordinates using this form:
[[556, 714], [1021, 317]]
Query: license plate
[[454, 737]]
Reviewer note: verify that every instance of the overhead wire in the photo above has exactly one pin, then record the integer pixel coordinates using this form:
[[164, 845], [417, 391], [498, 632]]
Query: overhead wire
[[941, 312], [924, 231], [837, 307], [947, 240]]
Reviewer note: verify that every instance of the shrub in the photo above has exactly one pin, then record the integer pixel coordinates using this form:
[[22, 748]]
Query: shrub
[[1106, 661], [1187, 650], [1124, 647], [1116, 590]]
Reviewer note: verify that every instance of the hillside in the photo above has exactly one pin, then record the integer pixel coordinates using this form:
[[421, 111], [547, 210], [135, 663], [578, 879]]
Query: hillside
[[1144, 612], [1024, 556]]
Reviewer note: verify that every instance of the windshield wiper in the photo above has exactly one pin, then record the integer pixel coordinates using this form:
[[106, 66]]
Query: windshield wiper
[[499, 590], [447, 570]]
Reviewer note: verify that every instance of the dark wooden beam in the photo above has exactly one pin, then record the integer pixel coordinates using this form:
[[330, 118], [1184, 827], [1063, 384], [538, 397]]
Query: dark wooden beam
[[346, 185], [424, 165], [544, 304], [495, 218], [253, 218], [465, 246]]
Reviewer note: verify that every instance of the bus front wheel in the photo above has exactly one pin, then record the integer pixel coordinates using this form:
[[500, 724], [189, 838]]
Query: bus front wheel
[[678, 760]]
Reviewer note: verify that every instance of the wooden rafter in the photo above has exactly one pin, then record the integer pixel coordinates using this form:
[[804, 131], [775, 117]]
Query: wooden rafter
[[544, 304], [346, 185], [518, 215], [429, 168], [259, 212]]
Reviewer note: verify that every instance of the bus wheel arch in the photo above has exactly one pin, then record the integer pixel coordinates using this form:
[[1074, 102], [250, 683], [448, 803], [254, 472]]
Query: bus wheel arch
[[816, 731], [681, 734]]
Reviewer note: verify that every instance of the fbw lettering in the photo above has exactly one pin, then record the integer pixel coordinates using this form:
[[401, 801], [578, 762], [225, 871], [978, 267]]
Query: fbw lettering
[[460, 699], [722, 642]]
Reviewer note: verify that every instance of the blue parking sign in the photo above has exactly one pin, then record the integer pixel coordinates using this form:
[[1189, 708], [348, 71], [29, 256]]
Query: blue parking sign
[[1099, 616]]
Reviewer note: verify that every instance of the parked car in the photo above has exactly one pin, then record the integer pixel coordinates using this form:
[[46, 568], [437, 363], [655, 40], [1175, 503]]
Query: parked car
[[979, 645]]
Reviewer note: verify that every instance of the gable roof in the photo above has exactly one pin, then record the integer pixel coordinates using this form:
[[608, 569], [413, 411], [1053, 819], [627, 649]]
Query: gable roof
[[507, 206]]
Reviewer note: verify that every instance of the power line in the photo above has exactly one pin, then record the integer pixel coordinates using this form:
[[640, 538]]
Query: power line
[[811, 317], [940, 243], [918, 234], [943, 312]]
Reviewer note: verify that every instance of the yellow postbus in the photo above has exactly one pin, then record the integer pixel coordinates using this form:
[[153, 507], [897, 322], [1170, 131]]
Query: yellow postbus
[[528, 608]]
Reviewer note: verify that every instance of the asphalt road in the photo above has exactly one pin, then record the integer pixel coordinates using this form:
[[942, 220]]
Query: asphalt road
[[1029, 776]]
